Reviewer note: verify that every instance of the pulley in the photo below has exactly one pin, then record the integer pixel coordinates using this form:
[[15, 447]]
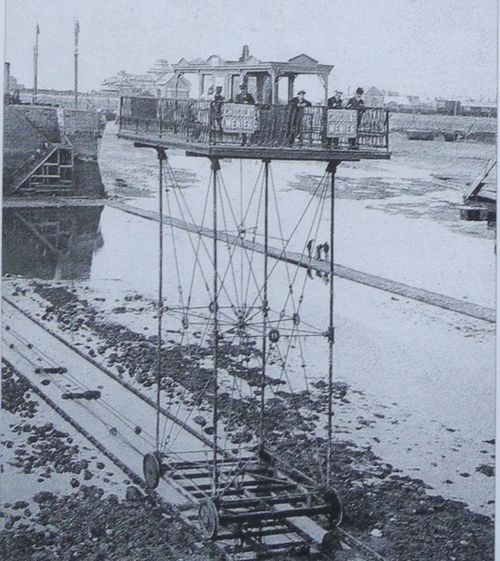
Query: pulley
[[274, 335]]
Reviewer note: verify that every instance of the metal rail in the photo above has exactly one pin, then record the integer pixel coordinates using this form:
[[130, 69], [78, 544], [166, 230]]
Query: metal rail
[[268, 524], [201, 121]]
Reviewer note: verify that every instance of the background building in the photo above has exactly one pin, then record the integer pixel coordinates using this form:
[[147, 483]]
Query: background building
[[158, 81]]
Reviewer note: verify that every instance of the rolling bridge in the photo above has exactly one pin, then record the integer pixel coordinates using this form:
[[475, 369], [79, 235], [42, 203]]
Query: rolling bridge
[[238, 322]]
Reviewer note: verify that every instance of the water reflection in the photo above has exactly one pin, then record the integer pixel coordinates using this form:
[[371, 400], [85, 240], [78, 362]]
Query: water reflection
[[51, 243]]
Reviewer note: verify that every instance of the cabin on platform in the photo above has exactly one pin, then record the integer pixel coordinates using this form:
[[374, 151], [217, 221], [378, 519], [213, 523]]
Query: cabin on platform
[[265, 128], [262, 78]]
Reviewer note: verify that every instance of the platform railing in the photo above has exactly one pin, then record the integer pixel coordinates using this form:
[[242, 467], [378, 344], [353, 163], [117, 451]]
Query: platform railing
[[273, 125]]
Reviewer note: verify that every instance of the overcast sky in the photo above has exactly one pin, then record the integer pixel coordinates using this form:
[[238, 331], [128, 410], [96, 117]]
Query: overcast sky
[[438, 47]]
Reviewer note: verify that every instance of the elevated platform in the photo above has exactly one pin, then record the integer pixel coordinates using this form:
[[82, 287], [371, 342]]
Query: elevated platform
[[221, 151], [225, 129]]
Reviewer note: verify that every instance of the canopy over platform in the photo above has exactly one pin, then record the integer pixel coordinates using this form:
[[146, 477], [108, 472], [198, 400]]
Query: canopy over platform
[[262, 78]]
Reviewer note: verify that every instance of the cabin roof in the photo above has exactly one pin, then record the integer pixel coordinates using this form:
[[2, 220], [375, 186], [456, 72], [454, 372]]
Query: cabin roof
[[299, 64]]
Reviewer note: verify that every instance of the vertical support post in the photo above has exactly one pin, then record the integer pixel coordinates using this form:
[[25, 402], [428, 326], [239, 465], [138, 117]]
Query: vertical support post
[[200, 84], [274, 87], [77, 31], [177, 78], [120, 119], [331, 168], [265, 305], [291, 80], [161, 157], [215, 480]]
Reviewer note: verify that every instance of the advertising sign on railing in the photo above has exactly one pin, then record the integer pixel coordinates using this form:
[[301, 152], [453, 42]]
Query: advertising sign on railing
[[341, 123], [239, 117]]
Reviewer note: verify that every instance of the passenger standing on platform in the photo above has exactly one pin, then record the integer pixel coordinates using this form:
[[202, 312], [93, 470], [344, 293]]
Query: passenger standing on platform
[[335, 102], [216, 107], [358, 104], [319, 247], [296, 114], [244, 97]]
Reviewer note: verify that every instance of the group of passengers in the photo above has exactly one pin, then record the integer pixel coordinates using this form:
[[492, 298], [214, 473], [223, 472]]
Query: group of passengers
[[295, 113]]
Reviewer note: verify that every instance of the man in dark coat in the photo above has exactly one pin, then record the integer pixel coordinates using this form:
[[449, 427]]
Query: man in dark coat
[[358, 104], [335, 102], [296, 111], [216, 108], [244, 97]]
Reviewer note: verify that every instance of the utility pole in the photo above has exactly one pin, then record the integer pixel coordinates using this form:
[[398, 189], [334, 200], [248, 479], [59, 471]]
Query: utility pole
[[35, 65], [77, 32]]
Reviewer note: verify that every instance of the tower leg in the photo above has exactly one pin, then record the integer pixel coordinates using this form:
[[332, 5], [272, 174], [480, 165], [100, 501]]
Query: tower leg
[[215, 166], [332, 168], [265, 305]]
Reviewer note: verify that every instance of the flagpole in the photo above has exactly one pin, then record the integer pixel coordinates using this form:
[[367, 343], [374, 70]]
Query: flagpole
[[77, 31], [35, 64]]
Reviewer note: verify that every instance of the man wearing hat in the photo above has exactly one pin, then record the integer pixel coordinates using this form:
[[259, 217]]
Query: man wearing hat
[[358, 104], [296, 114], [216, 112], [244, 97], [335, 102]]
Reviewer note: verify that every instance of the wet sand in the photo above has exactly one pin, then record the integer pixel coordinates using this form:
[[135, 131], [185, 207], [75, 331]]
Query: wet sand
[[414, 408]]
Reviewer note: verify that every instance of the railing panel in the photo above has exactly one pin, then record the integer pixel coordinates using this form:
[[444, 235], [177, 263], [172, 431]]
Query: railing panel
[[278, 125]]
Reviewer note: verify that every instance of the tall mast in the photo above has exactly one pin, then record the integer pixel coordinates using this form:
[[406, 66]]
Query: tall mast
[[35, 65], [77, 32]]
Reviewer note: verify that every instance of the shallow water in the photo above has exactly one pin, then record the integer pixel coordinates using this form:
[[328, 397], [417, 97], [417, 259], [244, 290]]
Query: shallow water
[[429, 371]]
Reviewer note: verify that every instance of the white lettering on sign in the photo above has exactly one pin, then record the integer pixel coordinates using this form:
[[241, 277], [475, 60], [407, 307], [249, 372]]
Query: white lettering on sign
[[342, 123], [239, 117]]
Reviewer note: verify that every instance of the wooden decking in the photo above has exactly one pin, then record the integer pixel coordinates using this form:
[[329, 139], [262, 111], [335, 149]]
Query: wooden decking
[[302, 153]]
